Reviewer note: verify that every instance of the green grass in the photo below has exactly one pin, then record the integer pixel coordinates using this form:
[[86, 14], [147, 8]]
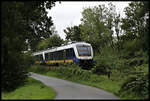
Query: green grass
[[33, 89]]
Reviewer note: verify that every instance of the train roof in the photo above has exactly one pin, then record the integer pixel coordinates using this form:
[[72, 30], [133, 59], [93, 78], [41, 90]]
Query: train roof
[[62, 47]]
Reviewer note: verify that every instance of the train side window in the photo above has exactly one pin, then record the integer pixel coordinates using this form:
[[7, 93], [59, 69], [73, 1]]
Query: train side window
[[62, 57], [73, 54], [49, 56], [64, 54], [46, 56], [52, 56], [61, 54], [57, 55], [69, 53]]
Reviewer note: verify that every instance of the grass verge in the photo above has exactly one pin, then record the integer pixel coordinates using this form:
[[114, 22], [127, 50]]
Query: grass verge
[[33, 89]]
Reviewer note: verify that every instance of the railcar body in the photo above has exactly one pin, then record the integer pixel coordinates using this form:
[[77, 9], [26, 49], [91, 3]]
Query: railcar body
[[78, 52]]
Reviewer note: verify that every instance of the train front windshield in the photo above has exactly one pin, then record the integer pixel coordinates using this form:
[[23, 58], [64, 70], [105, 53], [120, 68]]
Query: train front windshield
[[84, 50]]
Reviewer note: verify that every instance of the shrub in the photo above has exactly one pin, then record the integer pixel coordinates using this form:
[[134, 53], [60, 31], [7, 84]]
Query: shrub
[[72, 71], [137, 83], [132, 45], [38, 69], [28, 60], [105, 62], [13, 72]]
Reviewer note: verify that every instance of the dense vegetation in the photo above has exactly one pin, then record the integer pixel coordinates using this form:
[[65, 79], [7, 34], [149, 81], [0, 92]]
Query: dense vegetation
[[53, 41], [23, 25]]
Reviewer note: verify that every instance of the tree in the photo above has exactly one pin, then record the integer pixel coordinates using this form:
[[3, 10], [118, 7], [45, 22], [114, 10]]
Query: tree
[[97, 24], [18, 19], [135, 24], [111, 22], [53, 41], [38, 23], [73, 33], [117, 22]]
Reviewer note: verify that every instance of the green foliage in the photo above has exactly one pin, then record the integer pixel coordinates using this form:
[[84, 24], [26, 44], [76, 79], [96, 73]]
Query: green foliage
[[136, 23], [43, 44], [132, 45], [93, 28], [21, 21], [132, 59], [73, 33], [38, 69], [53, 41], [137, 83], [13, 73], [107, 61], [38, 24], [73, 71], [28, 60], [97, 24]]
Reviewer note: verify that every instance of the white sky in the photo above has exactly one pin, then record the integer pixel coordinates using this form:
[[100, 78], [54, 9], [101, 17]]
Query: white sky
[[68, 13]]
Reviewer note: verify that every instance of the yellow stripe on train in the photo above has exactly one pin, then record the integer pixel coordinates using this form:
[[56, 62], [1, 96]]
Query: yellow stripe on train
[[59, 61], [68, 61]]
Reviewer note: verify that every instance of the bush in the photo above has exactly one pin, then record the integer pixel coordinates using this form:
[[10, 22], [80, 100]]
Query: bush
[[13, 72], [28, 60], [105, 62], [15, 69], [137, 83], [132, 45], [38, 69], [72, 71]]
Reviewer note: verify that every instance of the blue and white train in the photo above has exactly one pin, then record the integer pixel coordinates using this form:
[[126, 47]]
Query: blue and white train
[[78, 52]]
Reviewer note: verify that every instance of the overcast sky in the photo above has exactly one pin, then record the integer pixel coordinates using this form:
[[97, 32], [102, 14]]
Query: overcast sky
[[67, 14]]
